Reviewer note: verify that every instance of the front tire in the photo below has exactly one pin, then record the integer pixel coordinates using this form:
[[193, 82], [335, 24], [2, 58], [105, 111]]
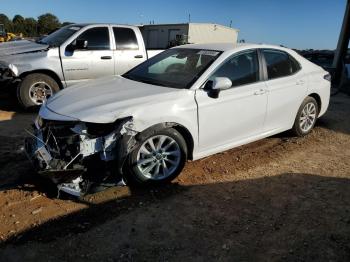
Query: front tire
[[159, 157], [306, 117], [35, 89]]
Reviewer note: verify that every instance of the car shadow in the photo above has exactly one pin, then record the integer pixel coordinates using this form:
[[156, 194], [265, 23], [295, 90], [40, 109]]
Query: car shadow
[[285, 217], [16, 171], [9, 101], [337, 115]]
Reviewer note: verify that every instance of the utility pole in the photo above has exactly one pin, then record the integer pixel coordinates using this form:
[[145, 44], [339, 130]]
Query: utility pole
[[342, 46]]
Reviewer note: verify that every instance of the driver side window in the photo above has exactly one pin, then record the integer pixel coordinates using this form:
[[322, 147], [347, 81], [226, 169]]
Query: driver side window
[[241, 69], [97, 37]]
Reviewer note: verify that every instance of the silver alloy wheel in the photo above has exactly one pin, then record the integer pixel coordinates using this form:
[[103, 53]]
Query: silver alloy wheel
[[39, 92], [158, 157], [308, 117]]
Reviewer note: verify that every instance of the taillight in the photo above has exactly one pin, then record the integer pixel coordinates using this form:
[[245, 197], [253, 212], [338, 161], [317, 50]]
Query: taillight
[[328, 77]]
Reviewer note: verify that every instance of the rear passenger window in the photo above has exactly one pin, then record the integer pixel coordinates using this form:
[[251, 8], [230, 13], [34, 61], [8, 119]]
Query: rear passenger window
[[125, 38], [241, 69], [294, 64], [280, 64], [98, 38]]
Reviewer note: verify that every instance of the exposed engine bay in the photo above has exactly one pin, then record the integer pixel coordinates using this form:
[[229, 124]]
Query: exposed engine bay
[[77, 155]]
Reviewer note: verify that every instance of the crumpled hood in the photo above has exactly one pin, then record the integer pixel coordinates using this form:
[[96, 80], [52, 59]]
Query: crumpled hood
[[20, 47], [104, 100]]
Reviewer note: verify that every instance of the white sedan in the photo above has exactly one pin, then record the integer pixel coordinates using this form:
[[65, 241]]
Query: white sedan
[[186, 103]]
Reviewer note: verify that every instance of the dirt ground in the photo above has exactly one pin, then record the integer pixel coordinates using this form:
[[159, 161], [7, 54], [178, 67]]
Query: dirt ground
[[282, 198]]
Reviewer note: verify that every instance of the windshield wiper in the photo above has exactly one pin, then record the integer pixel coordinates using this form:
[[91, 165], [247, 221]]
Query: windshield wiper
[[148, 81], [40, 42], [143, 80], [129, 77]]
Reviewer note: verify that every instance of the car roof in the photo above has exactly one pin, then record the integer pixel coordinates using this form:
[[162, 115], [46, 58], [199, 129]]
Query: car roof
[[100, 24], [230, 46]]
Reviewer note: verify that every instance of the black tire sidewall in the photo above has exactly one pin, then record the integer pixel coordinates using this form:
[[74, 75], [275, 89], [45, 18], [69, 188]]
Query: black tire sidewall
[[27, 82], [296, 128], [133, 175]]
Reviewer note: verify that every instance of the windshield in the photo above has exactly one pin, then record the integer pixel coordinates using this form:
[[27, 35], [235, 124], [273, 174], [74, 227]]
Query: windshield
[[60, 36], [177, 68]]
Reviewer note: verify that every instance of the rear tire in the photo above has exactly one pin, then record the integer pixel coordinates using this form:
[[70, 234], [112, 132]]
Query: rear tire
[[35, 89], [163, 153], [306, 117]]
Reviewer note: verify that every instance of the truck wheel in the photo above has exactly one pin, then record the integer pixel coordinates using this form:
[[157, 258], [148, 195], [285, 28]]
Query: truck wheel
[[35, 89], [306, 117], [159, 158]]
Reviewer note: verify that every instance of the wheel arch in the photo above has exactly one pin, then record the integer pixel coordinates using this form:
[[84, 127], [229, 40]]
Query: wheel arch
[[186, 134], [48, 72], [317, 97]]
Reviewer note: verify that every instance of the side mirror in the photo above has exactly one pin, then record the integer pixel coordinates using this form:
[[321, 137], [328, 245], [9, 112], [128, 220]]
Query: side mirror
[[219, 83], [78, 44], [81, 44], [222, 83]]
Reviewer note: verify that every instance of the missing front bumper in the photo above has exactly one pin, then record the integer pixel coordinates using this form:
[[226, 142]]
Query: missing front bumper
[[70, 168], [40, 157]]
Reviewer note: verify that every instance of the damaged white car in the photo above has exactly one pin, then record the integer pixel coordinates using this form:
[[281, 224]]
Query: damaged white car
[[185, 103]]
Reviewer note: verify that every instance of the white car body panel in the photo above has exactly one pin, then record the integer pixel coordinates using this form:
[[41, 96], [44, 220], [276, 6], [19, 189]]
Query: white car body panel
[[107, 99], [240, 115], [285, 96]]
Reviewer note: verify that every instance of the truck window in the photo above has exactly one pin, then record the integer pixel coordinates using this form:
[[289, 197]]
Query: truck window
[[125, 38], [97, 37]]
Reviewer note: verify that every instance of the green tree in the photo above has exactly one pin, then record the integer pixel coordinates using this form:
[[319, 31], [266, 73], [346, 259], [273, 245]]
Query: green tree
[[18, 24], [6, 22], [18, 19], [47, 23], [30, 27]]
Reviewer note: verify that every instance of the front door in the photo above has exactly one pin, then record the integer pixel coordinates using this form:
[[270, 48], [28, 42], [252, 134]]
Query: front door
[[93, 62], [239, 112]]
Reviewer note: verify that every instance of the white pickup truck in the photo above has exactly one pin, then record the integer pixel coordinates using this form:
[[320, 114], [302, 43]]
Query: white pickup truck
[[71, 54]]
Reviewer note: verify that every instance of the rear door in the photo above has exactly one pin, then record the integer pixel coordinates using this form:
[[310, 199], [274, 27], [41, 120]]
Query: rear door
[[287, 88], [129, 51], [94, 61]]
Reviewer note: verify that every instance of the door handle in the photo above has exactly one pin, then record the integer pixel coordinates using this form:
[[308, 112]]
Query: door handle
[[300, 82], [138, 56], [106, 57], [260, 92]]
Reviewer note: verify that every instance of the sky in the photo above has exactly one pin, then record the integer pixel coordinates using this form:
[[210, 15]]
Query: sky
[[293, 23]]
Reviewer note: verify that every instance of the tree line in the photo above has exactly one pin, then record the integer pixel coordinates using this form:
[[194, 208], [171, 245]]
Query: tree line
[[31, 27]]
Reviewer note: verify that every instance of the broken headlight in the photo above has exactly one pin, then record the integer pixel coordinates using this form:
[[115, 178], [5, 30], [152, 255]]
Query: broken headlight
[[8, 71], [98, 130]]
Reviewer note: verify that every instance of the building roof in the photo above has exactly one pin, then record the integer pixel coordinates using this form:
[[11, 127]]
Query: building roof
[[184, 24]]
